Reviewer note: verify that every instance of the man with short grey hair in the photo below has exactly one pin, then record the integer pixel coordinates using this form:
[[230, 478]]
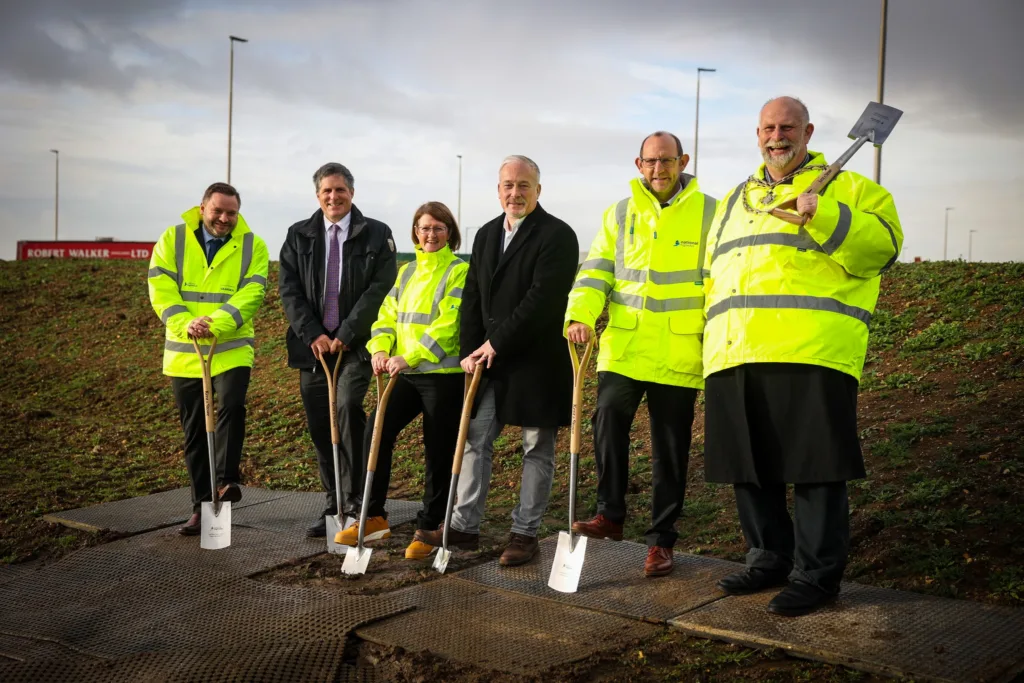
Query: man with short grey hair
[[516, 291], [336, 268]]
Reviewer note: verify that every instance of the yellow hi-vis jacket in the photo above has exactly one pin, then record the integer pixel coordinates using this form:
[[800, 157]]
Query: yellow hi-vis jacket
[[647, 262], [419, 319], [782, 294], [230, 291]]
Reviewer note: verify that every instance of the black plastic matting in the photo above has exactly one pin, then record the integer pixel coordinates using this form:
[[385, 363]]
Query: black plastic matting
[[19, 648], [10, 572], [613, 580], [296, 511], [492, 629], [145, 513], [878, 630]]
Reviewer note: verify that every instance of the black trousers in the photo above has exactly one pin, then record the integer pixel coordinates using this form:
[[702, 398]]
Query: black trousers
[[229, 390], [439, 398], [671, 412], [815, 548], [353, 381]]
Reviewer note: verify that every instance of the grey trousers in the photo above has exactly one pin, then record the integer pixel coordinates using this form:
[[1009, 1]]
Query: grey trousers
[[475, 479]]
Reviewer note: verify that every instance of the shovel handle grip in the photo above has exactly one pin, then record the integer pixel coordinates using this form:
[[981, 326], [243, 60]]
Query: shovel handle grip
[[332, 393], [205, 362], [383, 394], [579, 369], [467, 411]]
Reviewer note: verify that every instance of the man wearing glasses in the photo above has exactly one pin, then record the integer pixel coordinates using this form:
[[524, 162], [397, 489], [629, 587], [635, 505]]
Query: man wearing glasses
[[647, 262]]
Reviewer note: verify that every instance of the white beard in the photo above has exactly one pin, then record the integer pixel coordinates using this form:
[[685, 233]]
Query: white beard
[[778, 163]]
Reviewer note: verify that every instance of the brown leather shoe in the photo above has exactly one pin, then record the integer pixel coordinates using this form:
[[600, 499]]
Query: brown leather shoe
[[229, 493], [456, 539], [521, 549], [192, 527], [599, 527], [659, 561]]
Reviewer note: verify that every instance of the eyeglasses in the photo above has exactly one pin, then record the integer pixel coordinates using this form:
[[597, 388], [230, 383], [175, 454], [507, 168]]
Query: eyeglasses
[[665, 161], [431, 230]]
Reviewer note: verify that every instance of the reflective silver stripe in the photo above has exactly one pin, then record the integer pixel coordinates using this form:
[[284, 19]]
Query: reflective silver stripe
[[604, 264], [158, 271], [674, 277], [895, 245], [446, 364], [841, 231], [812, 303], [181, 347], [179, 252], [431, 345], [633, 300], [456, 293], [235, 313], [441, 286], [381, 331], [393, 293], [205, 297], [800, 240], [593, 283], [406, 274], [725, 219], [255, 278], [710, 206], [705, 273], [172, 310], [247, 240], [684, 303], [621, 271], [418, 318]]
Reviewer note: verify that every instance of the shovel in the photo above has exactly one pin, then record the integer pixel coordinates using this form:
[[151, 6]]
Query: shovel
[[570, 551], [874, 125], [443, 554], [358, 558], [215, 522], [336, 522]]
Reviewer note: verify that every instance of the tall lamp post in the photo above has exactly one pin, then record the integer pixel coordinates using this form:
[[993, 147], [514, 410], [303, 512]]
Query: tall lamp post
[[231, 94], [945, 235], [881, 82], [56, 192], [970, 243], [696, 118], [458, 217]]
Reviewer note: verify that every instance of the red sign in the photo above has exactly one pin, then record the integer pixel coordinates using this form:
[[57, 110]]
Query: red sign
[[101, 250]]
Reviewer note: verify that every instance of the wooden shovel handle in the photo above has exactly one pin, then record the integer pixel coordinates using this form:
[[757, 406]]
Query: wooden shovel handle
[[383, 394], [816, 186], [332, 394], [579, 369], [205, 362], [467, 411]]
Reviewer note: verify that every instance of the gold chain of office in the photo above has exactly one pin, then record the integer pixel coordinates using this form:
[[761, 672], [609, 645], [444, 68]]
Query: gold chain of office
[[770, 197]]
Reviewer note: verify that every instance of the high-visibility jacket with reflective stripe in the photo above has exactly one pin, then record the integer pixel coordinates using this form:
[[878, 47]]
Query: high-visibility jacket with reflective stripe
[[230, 291], [778, 293], [647, 262], [419, 319]]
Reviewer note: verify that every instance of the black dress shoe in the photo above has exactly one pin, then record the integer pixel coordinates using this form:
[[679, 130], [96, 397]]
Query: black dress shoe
[[799, 598], [318, 529], [751, 580], [230, 493], [192, 527]]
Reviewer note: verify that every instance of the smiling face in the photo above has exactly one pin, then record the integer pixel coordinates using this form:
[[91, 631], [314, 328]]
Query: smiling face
[[335, 197], [660, 162], [782, 134], [220, 214], [518, 189], [431, 234]]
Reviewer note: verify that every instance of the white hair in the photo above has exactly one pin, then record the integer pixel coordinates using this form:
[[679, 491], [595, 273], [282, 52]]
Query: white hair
[[519, 158]]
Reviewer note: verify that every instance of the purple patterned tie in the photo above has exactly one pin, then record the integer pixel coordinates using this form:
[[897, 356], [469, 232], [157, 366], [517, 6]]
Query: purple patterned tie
[[331, 290]]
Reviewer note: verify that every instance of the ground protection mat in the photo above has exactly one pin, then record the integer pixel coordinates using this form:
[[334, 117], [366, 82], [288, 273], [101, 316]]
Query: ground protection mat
[[878, 630], [145, 513], [296, 511], [613, 580], [109, 604], [492, 629], [10, 572]]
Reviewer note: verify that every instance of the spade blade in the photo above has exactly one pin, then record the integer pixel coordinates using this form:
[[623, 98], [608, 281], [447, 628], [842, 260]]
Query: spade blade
[[356, 560], [876, 123], [441, 559]]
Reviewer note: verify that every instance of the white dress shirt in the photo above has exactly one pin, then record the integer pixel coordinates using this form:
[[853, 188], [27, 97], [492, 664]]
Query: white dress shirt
[[511, 227], [343, 226]]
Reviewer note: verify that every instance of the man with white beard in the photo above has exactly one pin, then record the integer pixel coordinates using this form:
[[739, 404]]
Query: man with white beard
[[787, 311]]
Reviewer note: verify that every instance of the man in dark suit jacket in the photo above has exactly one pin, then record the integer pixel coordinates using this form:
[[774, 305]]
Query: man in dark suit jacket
[[522, 268], [336, 268]]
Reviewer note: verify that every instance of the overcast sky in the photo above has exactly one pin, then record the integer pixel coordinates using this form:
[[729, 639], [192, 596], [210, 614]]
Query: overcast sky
[[134, 95]]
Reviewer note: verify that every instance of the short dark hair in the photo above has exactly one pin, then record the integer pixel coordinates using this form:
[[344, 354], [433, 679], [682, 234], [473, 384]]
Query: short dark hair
[[333, 168], [660, 133], [222, 188], [439, 212]]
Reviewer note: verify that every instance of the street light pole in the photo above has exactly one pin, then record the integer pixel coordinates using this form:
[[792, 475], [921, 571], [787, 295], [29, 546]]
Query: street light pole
[[458, 218], [970, 243], [945, 237], [881, 82], [231, 94], [696, 118], [56, 193]]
